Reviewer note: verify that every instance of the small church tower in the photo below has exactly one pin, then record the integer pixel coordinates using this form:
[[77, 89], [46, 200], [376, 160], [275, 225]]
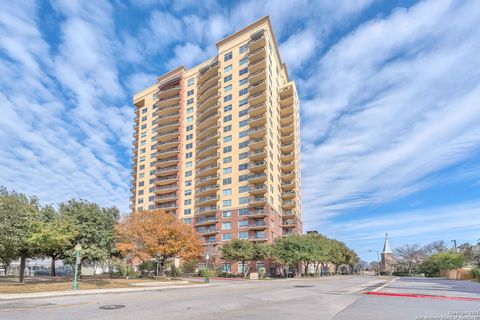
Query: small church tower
[[386, 263]]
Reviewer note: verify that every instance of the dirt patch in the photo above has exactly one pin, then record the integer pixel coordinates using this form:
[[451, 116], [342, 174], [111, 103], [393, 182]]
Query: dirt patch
[[60, 285]]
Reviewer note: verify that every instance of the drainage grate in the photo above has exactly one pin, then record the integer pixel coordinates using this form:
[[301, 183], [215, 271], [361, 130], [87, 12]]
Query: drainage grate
[[302, 286], [112, 306]]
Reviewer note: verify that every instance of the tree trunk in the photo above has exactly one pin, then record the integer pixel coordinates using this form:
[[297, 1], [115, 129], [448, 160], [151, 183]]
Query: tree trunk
[[52, 266], [22, 268]]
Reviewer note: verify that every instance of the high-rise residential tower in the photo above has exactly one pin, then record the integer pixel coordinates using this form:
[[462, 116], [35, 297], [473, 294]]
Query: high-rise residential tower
[[219, 144]]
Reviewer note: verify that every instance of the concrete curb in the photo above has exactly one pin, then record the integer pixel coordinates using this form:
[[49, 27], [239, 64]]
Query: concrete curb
[[33, 295]]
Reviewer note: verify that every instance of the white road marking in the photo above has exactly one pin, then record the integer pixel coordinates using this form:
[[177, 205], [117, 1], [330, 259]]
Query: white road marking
[[386, 284]]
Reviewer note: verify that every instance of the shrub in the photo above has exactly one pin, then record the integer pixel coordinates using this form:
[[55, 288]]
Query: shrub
[[262, 272], [441, 261], [189, 266], [476, 273]]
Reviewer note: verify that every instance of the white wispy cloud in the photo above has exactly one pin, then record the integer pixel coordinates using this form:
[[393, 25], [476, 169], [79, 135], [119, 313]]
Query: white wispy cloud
[[391, 103], [385, 108]]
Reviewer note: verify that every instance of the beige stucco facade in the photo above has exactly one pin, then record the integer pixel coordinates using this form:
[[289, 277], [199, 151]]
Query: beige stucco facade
[[219, 143]]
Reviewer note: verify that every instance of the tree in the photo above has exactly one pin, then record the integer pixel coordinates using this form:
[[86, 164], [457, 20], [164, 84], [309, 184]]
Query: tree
[[240, 250], [441, 261], [289, 251], [18, 216], [157, 235], [95, 229], [410, 256], [435, 247], [55, 235]]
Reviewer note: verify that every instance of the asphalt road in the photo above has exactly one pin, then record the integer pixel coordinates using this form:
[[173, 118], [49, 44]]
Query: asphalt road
[[327, 298]]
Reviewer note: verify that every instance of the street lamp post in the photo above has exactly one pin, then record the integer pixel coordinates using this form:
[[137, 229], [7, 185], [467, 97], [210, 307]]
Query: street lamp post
[[78, 248], [206, 279], [378, 259]]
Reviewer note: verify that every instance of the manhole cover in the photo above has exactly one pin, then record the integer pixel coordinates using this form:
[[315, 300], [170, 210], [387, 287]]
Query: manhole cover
[[112, 307], [301, 286]]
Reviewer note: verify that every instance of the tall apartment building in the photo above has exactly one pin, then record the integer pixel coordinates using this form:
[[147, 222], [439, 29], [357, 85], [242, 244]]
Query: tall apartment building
[[219, 145]]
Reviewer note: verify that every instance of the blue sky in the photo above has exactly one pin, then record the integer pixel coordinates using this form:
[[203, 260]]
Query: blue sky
[[390, 103]]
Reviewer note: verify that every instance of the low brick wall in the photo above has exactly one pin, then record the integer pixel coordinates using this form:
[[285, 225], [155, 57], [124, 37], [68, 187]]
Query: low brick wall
[[457, 274]]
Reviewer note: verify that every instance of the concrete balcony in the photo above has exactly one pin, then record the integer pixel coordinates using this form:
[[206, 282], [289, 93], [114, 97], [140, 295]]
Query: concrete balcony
[[166, 144], [288, 194], [208, 121], [166, 180], [257, 213], [257, 121], [210, 189], [259, 64], [257, 54], [257, 189], [213, 158], [211, 199], [165, 110], [257, 110], [208, 131], [288, 128], [207, 231], [287, 147], [288, 204], [257, 154], [289, 156], [167, 206], [204, 171], [204, 211], [288, 175], [260, 225], [208, 110], [259, 143], [167, 101], [206, 72], [257, 76], [288, 165], [257, 178], [288, 185], [213, 88], [207, 180], [166, 127], [207, 82], [257, 98], [257, 166], [257, 132], [168, 118], [286, 119], [160, 172], [168, 197], [206, 141], [285, 101], [167, 153], [257, 201], [207, 101], [166, 189], [285, 110], [167, 162], [257, 87], [257, 41], [289, 137], [166, 135], [204, 221], [208, 149]]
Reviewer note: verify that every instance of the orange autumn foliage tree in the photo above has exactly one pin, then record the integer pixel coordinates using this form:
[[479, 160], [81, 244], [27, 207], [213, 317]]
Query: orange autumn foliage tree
[[154, 234]]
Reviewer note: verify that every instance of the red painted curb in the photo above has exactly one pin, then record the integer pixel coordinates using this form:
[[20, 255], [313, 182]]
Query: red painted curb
[[421, 296]]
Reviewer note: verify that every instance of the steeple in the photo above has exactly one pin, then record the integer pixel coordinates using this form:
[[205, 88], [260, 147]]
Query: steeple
[[386, 246]]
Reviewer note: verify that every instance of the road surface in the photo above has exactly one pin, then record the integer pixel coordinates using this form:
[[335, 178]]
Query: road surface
[[326, 298]]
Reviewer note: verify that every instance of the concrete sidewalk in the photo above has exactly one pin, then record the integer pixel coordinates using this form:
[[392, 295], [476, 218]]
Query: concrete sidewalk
[[150, 287]]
